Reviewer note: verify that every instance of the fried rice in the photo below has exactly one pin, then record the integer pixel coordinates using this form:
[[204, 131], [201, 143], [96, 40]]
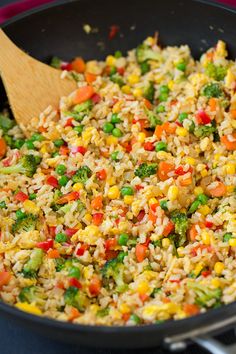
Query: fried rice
[[120, 207]]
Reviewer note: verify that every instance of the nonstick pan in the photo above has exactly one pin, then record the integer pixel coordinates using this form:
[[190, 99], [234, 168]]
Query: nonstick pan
[[58, 30]]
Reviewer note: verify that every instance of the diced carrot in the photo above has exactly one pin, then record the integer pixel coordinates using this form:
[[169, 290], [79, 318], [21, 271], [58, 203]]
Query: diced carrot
[[4, 278], [89, 77], [3, 147], [158, 131], [111, 243], [83, 94], [166, 300], [105, 153], [74, 313], [140, 252], [230, 145], [193, 232], [168, 228], [213, 104], [151, 216], [96, 203], [64, 150], [78, 65], [41, 129], [143, 297], [185, 181], [53, 254], [68, 197], [233, 113], [191, 309], [111, 254], [164, 169], [210, 56], [95, 286], [126, 316], [218, 191], [170, 128], [147, 103]]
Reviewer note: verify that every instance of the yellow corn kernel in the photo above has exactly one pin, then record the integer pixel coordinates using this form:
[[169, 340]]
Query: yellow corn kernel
[[190, 161], [128, 199], [230, 189], [137, 92], [230, 168], [217, 157], [181, 131], [94, 308], [221, 49], [152, 201], [165, 242], [78, 226], [88, 217], [31, 207], [205, 238], [198, 190], [180, 251], [133, 79], [163, 155], [77, 187], [87, 134], [110, 60], [44, 149], [173, 193], [124, 308], [171, 84], [111, 181], [150, 311], [111, 140], [126, 89], [117, 107], [232, 242], [219, 267], [216, 283], [141, 137], [204, 210], [113, 192], [204, 173], [199, 267], [24, 306], [143, 287]]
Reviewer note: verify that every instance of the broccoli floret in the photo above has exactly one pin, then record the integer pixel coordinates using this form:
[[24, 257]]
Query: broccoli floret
[[143, 53], [6, 123], [32, 266], [114, 269], [56, 62], [76, 298], [212, 90], [146, 170], [82, 175], [216, 72], [27, 223], [204, 294], [103, 312], [149, 91], [204, 130], [117, 79], [153, 119], [27, 165], [181, 225]]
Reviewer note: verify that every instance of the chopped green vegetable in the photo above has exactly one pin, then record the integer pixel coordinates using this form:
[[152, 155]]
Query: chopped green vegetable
[[144, 67], [82, 175], [149, 91], [56, 62], [216, 72], [146, 170], [181, 225], [27, 165], [32, 266], [227, 236], [26, 223], [212, 90], [114, 269], [202, 131], [204, 294], [126, 191], [153, 118], [3, 205], [144, 52], [31, 294], [76, 298], [103, 312], [81, 107], [117, 79], [6, 123]]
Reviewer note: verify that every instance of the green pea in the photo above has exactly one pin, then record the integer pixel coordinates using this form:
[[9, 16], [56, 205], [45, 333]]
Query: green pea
[[118, 54], [37, 137], [78, 129], [194, 206], [181, 66], [123, 239], [115, 119], [145, 67], [32, 196], [121, 256], [161, 146], [114, 156], [108, 127], [61, 237], [164, 89], [183, 116], [202, 198], [63, 181], [20, 214], [227, 236], [127, 191], [163, 205], [19, 143], [163, 97], [160, 108], [54, 154], [3, 205], [135, 318], [74, 272], [60, 169], [29, 144], [58, 142], [112, 70], [117, 133]]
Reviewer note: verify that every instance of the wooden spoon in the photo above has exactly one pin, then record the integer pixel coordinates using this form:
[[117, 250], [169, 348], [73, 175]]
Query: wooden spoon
[[31, 86]]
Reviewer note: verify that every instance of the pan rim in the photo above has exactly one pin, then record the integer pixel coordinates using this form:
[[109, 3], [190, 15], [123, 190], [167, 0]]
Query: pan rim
[[169, 327]]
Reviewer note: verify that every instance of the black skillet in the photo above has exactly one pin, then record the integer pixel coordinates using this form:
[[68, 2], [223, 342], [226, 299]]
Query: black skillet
[[58, 30]]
